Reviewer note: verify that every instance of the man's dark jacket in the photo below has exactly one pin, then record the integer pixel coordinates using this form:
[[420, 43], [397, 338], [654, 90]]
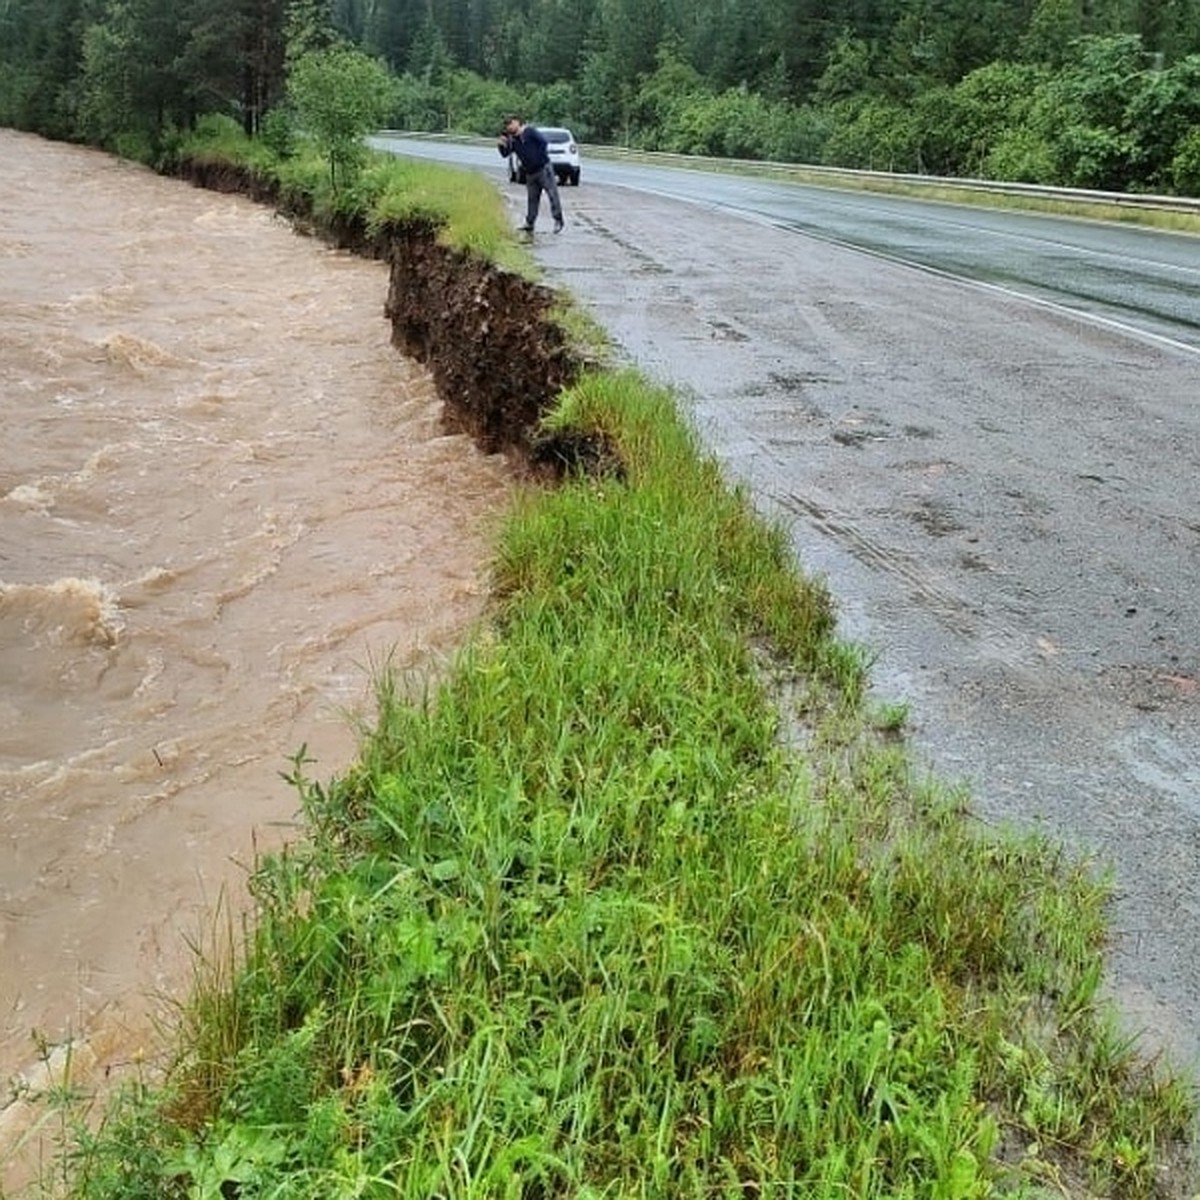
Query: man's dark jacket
[[529, 146]]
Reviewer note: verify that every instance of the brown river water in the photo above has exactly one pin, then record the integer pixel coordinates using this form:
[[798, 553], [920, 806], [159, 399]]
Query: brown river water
[[225, 500]]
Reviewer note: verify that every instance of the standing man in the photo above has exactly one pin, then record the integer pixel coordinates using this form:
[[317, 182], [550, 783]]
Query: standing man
[[528, 144]]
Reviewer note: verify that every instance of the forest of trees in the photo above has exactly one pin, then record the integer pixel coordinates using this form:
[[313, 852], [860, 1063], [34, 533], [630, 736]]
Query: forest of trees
[[1087, 93]]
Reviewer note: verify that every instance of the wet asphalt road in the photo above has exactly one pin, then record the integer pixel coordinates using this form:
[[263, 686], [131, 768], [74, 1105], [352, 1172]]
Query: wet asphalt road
[[1000, 483], [1141, 278]]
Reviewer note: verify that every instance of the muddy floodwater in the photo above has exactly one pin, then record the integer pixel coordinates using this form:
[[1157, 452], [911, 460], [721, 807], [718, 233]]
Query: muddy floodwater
[[225, 500]]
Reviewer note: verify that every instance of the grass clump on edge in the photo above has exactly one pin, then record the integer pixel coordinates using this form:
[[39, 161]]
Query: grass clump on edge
[[579, 923]]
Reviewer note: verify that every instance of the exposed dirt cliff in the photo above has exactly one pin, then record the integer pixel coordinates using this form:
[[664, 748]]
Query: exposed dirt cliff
[[485, 335]]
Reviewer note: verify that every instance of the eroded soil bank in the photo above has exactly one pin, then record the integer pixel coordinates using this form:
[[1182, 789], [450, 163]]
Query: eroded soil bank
[[485, 335]]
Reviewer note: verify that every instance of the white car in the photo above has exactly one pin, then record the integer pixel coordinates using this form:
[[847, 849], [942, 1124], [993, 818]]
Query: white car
[[564, 156]]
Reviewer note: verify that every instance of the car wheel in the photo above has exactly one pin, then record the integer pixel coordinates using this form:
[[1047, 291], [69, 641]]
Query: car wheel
[[575, 177]]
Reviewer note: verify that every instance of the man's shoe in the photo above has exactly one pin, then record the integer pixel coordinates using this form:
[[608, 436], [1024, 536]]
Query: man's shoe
[[558, 225], [525, 229]]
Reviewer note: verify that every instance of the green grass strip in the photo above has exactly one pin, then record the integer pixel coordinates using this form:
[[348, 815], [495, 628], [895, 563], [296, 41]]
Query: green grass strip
[[635, 902]]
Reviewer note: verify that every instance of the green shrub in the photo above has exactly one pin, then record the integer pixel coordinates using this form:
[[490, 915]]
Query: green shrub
[[1185, 166]]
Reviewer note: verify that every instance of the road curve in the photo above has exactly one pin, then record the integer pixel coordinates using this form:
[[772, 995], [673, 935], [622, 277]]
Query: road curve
[[1001, 484]]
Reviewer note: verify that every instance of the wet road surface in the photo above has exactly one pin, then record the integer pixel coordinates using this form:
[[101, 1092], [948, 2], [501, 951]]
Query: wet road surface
[[1143, 279], [1003, 492]]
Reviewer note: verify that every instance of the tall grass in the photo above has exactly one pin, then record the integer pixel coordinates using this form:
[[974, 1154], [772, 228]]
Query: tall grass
[[579, 923], [637, 901]]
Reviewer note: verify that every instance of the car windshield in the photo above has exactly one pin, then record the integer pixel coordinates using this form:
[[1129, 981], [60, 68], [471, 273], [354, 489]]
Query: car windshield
[[557, 135]]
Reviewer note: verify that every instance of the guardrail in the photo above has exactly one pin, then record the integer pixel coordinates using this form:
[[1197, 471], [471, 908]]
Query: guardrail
[[1184, 204], [846, 175], [834, 175]]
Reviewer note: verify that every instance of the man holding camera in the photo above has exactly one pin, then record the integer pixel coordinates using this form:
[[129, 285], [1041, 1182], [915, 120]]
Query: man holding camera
[[528, 144]]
